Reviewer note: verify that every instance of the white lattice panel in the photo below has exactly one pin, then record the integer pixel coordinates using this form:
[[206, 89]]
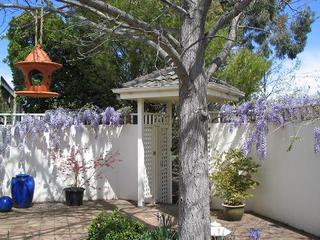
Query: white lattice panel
[[164, 164], [156, 152], [148, 142]]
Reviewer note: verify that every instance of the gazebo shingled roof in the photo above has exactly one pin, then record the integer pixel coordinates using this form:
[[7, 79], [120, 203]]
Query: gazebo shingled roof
[[163, 85]]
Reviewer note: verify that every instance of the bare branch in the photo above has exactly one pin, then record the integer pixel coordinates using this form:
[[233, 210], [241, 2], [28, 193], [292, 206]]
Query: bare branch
[[113, 12], [216, 63], [135, 24], [255, 28], [227, 18], [126, 33], [18, 6], [178, 9]]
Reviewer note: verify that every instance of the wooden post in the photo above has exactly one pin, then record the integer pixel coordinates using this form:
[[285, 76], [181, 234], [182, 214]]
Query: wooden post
[[140, 153], [169, 114], [14, 110]]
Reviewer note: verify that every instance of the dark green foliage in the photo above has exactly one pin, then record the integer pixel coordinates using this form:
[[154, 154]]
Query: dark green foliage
[[116, 226], [291, 37], [161, 233], [275, 27]]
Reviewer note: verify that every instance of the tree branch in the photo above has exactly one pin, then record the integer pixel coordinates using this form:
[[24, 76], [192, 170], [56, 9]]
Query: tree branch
[[118, 31], [227, 18], [216, 63], [18, 6], [178, 9], [133, 23], [114, 12]]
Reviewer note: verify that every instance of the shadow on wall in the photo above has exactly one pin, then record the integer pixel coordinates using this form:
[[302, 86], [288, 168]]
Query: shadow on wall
[[222, 138], [225, 136], [49, 181]]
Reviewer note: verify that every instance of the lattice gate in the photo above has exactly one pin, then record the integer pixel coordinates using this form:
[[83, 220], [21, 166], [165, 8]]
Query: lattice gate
[[158, 171]]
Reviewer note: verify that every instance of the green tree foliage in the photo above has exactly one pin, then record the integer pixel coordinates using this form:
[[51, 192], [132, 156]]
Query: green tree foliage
[[245, 70], [275, 27], [85, 78]]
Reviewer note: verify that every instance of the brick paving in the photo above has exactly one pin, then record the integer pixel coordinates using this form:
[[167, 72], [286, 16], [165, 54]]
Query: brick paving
[[55, 221]]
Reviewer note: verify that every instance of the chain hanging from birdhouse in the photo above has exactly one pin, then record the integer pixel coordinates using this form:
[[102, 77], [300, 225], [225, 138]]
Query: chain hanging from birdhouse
[[40, 37]]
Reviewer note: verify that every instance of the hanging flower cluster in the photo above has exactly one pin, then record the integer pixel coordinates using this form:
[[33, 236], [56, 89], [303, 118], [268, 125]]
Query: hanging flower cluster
[[263, 112], [55, 122], [5, 140], [317, 140]]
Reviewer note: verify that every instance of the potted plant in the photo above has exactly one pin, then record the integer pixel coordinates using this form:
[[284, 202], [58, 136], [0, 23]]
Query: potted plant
[[232, 178], [80, 171]]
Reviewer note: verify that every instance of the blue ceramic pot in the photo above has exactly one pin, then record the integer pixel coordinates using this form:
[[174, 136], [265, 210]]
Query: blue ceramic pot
[[22, 189], [6, 204]]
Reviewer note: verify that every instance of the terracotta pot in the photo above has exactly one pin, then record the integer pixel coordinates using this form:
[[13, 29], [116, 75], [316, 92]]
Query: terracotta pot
[[233, 213]]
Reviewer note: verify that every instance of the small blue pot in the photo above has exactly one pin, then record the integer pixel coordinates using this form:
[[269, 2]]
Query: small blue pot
[[22, 190], [6, 204]]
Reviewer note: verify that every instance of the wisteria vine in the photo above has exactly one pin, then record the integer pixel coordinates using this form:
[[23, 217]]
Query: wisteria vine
[[55, 122], [276, 112]]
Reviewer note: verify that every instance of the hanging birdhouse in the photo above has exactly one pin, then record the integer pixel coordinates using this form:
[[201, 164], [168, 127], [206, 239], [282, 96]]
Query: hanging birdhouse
[[37, 70]]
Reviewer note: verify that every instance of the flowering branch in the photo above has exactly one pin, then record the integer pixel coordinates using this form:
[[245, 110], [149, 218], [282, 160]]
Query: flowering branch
[[75, 166], [279, 113]]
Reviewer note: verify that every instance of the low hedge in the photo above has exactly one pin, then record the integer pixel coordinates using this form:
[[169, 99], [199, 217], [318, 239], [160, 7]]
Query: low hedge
[[116, 226]]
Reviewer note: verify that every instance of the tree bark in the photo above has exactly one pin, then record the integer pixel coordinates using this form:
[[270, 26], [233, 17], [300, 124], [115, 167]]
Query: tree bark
[[194, 210]]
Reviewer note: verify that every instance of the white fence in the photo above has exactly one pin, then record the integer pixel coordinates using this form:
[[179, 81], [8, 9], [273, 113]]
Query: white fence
[[289, 188], [121, 181], [11, 118], [50, 183]]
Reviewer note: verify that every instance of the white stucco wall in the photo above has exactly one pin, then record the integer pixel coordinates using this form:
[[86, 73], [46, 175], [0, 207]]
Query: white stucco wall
[[120, 181], [289, 188]]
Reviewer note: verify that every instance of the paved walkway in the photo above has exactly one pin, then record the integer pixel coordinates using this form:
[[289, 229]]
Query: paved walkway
[[55, 221]]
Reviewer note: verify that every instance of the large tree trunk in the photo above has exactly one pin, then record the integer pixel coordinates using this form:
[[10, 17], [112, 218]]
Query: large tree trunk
[[194, 210]]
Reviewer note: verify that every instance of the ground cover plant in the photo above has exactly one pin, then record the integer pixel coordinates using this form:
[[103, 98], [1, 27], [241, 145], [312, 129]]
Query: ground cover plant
[[116, 226]]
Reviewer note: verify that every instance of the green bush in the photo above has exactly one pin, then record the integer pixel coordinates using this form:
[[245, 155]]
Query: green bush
[[233, 177], [115, 226]]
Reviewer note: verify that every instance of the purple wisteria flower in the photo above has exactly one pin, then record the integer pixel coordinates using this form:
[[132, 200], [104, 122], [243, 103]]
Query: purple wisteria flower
[[254, 233], [107, 115], [55, 122], [226, 112], [265, 112], [317, 140]]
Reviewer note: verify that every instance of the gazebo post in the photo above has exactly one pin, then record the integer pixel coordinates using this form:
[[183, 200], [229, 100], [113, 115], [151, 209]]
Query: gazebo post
[[140, 109], [169, 114]]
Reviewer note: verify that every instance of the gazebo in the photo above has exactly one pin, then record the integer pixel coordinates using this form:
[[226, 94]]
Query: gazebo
[[155, 130]]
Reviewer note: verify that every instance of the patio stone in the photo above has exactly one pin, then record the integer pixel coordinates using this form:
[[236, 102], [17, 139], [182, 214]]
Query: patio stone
[[56, 221]]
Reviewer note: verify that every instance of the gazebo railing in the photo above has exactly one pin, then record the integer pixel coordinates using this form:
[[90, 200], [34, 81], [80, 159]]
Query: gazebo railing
[[11, 118], [149, 118]]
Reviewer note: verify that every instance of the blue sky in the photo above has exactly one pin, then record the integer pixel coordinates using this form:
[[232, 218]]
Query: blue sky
[[307, 76]]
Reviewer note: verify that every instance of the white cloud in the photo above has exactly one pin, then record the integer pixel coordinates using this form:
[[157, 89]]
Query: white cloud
[[306, 77]]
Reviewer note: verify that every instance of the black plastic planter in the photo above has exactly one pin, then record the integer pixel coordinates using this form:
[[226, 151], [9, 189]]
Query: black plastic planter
[[74, 196]]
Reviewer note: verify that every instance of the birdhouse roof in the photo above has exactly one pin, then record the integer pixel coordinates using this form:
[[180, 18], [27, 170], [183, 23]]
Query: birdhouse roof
[[37, 55]]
